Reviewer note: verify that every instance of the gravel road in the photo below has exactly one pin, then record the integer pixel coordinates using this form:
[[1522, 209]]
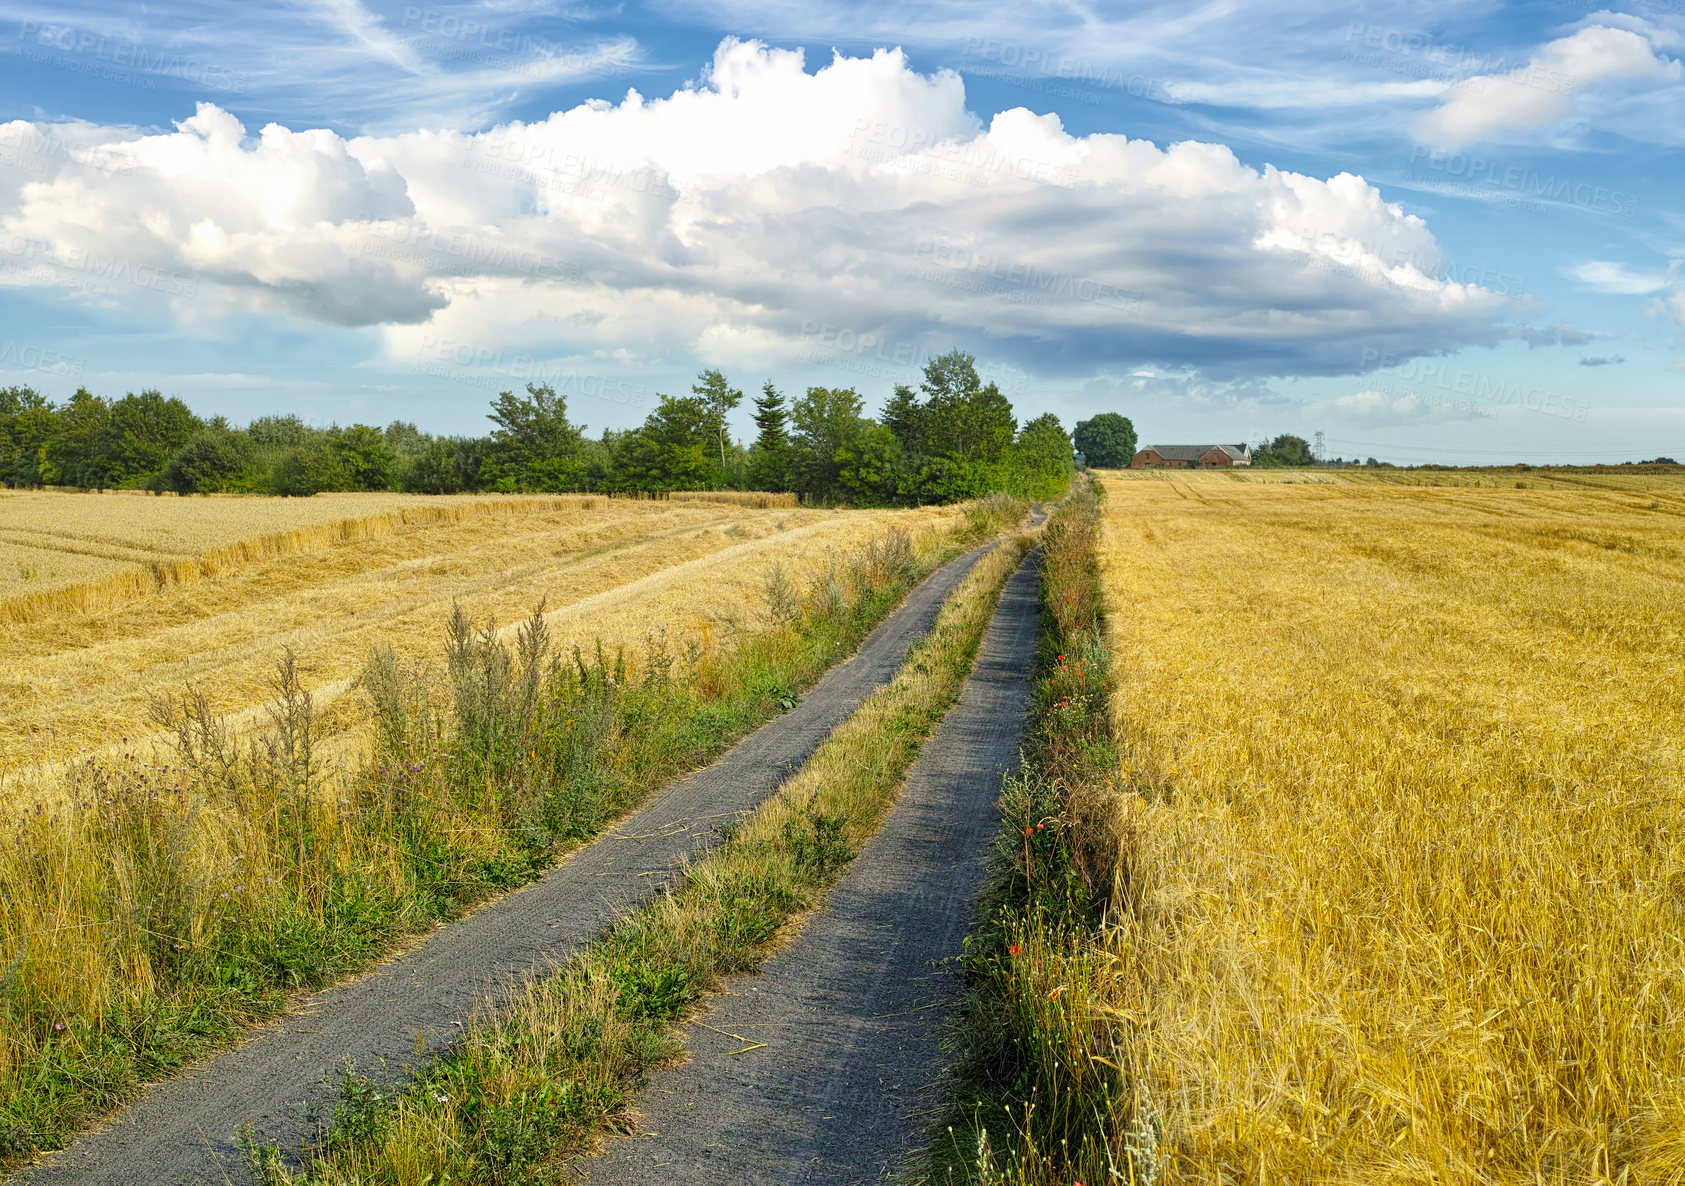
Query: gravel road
[[184, 1130], [850, 1014]]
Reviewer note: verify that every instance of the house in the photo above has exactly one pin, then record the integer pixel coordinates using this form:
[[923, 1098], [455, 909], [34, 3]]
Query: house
[[1191, 456]]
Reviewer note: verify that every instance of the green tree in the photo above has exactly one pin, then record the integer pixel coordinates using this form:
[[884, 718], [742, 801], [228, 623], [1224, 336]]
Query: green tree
[[903, 415], [364, 456], [1286, 449], [943, 479], [11, 407], [769, 460], [672, 451], [962, 418], [217, 460], [869, 467], [309, 468], [28, 425], [825, 420], [596, 462], [442, 465], [142, 433], [1106, 441], [405, 439], [719, 398], [1042, 456], [278, 432], [616, 445], [78, 455], [534, 446]]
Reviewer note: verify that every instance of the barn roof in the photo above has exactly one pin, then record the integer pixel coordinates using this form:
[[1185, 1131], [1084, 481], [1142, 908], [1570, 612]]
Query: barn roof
[[1195, 452]]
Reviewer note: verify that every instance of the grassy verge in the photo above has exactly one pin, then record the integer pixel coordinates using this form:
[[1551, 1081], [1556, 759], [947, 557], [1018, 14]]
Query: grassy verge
[[1046, 1095], [160, 909], [544, 1075]]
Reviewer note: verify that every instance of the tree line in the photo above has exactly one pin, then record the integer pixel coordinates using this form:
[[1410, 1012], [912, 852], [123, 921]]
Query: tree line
[[952, 437]]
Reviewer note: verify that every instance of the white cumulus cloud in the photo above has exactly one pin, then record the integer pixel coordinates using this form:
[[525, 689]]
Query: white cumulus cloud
[[765, 212], [268, 222], [1542, 91]]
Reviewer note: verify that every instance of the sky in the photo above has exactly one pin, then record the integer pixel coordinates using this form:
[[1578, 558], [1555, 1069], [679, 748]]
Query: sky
[[1428, 231]]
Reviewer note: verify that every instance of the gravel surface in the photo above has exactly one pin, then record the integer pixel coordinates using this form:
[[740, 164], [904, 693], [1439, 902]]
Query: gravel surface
[[825, 1067], [284, 1078]]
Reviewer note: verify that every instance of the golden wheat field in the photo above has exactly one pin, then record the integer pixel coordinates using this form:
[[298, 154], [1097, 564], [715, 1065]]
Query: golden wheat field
[[1524, 477], [1408, 856], [331, 576]]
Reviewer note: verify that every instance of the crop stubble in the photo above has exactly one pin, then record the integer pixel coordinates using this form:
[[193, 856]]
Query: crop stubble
[[80, 679]]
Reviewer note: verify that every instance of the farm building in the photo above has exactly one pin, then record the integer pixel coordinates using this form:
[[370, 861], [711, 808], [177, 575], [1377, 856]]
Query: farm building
[[1191, 456]]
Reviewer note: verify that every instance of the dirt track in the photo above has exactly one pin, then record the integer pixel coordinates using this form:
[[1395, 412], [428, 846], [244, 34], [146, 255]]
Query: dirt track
[[851, 1012], [184, 1131]]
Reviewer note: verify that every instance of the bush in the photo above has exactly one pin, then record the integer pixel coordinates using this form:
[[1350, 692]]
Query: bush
[[1286, 449], [442, 466], [309, 468], [214, 462]]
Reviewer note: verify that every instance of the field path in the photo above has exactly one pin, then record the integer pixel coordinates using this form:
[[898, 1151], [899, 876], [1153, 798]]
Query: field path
[[825, 1066], [184, 1131]]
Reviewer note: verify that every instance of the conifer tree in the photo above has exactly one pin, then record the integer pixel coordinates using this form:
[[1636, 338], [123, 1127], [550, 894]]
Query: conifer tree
[[769, 463]]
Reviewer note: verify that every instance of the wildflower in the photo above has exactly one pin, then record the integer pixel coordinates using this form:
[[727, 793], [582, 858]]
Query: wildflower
[[1029, 831], [1013, 950], [1039, 827], [440, 1098], [58, 1025]]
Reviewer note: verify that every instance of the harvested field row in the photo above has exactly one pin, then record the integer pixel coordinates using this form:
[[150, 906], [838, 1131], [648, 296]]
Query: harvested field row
[[84, 681], [49, 569], [156, 546], [738, 498]]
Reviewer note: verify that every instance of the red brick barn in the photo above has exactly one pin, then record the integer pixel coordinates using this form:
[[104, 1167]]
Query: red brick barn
[[1191, 457]]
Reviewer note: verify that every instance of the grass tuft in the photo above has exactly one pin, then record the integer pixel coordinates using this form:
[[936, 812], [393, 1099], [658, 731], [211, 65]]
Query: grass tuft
[[1045, 1092]]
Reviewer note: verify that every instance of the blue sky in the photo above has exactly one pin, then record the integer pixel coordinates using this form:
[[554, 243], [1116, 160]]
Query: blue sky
[[1429, 231]]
